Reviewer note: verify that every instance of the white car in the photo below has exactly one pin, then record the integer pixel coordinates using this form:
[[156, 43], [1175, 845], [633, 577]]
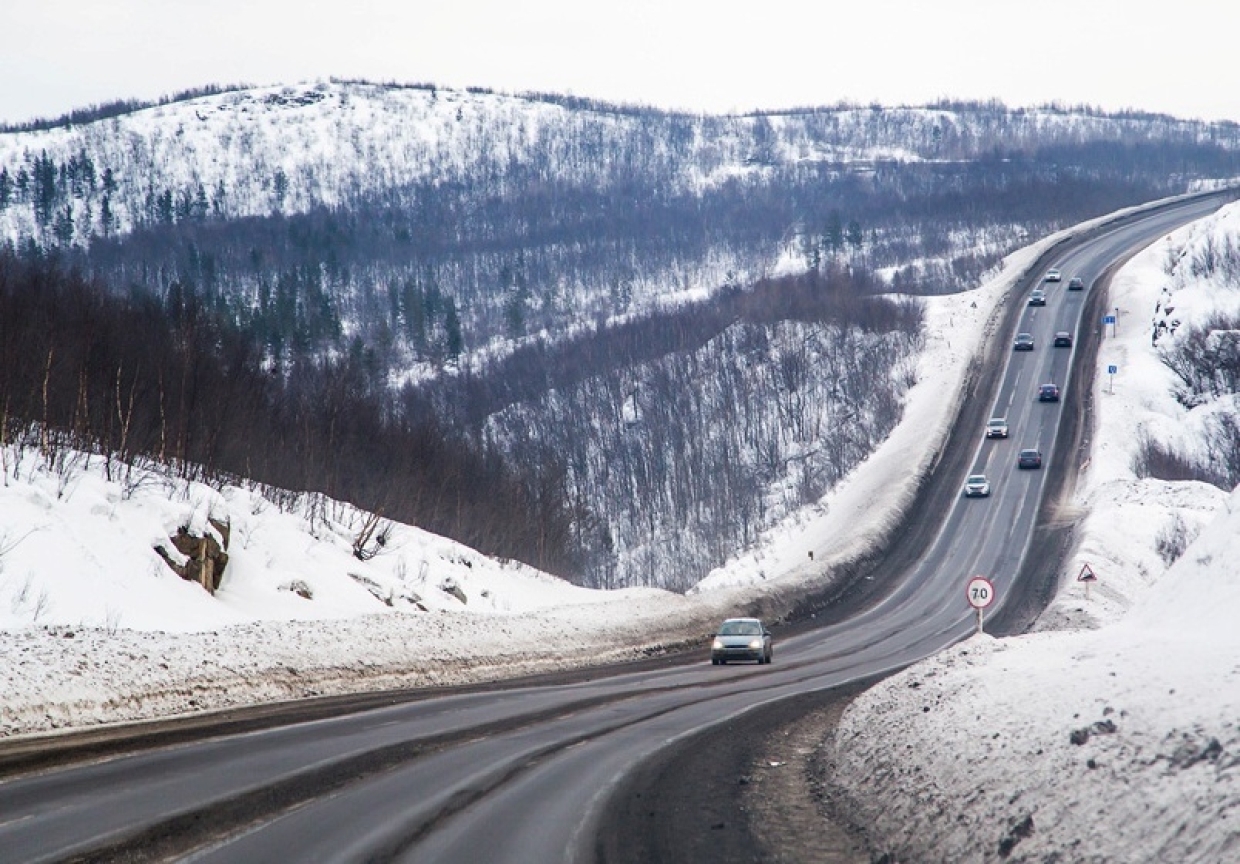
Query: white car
[[741, 639], [976, 486], [996, 427], [1052, 275]]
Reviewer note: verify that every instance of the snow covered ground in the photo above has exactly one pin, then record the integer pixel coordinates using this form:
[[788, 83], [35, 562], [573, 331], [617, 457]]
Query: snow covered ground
[[1114, 733], [956, 759]]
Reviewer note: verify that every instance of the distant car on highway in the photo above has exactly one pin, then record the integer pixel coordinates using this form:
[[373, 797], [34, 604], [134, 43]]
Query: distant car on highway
[[1029, 458], [996, 427], [1052, 275], [1048, 393], [1076, 283], [741, 639], [1037, 297], [1024, 342], [1063, 339], [976, 486]]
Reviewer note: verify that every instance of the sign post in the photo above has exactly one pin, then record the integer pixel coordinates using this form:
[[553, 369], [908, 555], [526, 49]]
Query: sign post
[[1087, 576], [1111, 370], [1110, 319], [980, 594]]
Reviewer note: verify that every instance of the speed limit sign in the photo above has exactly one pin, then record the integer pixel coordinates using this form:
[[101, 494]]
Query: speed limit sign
[[981, 592]]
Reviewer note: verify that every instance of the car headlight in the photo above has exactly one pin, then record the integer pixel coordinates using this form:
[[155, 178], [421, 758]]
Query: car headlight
[[755, 644], [717, 645]]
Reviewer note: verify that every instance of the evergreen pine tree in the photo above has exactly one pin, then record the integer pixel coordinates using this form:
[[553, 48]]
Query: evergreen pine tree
[[452, 328]]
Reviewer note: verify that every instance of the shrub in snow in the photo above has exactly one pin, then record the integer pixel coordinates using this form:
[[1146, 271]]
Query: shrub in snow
[[1172, 540], [449, 586], [298, 587]]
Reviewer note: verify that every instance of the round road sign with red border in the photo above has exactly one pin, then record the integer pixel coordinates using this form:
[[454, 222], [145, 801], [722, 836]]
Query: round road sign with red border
[[980, 592]]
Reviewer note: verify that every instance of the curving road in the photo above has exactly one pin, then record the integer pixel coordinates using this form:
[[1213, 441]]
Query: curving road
[[524, 774]]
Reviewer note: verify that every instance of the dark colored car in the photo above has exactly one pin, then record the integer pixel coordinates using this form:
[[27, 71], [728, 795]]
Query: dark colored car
[[1037, 297], [1024, 342], [1063, 339], [1076, 283], [741, 639], [1048, 393], [1029, 458]]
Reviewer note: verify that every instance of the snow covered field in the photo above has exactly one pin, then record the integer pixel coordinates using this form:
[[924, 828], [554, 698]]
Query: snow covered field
[[957, 758], [1113, 734]]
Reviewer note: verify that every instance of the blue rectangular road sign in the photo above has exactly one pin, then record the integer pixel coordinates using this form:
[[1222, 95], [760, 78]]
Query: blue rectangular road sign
[[1111, 370], [1108, 319]]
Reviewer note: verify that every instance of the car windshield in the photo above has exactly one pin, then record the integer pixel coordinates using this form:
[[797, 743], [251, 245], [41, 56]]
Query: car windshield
[[996, 423], [977, 478], [740, 628]]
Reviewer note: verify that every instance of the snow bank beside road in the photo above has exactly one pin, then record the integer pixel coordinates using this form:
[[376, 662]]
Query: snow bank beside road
[[862, 509], [95, 627]]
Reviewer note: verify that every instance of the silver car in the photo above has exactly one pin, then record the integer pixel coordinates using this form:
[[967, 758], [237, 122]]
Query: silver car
[[976, 486], [741, 639]]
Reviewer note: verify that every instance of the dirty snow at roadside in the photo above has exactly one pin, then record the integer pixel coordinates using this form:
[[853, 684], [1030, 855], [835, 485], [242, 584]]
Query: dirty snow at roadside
[[1119, 743]]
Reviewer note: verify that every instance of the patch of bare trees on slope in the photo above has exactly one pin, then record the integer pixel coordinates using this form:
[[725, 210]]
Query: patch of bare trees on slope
[[137, 379], [709, 424]]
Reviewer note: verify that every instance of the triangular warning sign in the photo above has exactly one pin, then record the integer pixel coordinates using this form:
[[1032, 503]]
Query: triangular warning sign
[[1087, 575]]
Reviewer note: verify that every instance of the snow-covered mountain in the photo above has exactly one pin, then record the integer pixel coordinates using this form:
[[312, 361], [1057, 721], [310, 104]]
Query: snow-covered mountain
[[429, 232], [286, 149]]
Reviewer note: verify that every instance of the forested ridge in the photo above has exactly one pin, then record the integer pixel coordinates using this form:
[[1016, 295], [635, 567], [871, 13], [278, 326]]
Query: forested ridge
[[138, 380], [653, 334]]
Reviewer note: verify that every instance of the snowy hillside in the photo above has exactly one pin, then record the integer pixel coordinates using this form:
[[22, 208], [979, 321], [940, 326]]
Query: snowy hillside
[[1111, 744], [285, 149], [97, 627], [79, 550], [105, 632]]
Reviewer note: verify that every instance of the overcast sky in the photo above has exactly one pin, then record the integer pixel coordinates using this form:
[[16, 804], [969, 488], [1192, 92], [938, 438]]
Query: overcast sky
[[1176, 58]]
